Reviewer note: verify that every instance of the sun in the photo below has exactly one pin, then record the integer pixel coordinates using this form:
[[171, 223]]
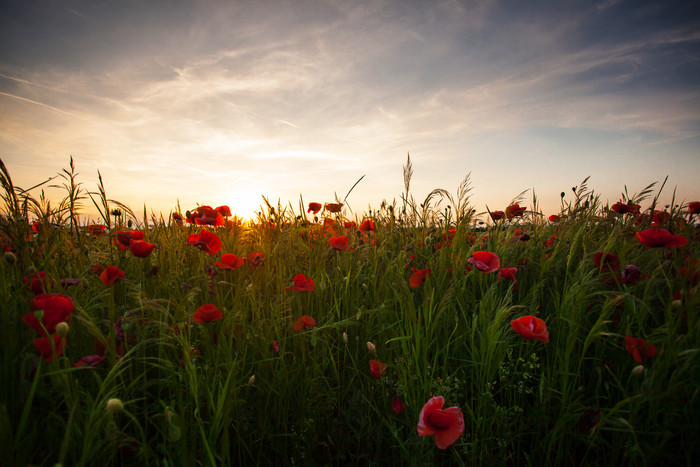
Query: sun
[[243, 202]]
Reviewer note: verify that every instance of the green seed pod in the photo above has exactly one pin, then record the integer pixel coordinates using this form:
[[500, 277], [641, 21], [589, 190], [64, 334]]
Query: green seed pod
[[114, 405], [62, 329]]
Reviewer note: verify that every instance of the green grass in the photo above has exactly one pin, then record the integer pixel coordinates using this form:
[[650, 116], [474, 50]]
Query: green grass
[[218, 394]]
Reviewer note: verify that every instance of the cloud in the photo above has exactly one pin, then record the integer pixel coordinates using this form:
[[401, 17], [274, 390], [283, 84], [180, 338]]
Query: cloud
[[330, 90]]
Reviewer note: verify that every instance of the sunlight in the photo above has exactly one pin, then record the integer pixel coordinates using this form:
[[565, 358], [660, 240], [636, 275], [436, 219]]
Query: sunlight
[[243, 201]]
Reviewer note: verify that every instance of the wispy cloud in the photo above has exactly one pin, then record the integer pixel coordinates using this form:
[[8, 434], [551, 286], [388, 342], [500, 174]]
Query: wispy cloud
[[327, 90]]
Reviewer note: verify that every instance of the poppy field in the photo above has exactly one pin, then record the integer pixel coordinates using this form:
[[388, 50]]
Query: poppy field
[[417, 333]]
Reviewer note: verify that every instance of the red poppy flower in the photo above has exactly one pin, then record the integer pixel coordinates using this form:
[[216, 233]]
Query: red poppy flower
[[123, 238], [639, 348], [43, 345], [314, 207], [141, 248], [111, 274], [230, 261], [531, 327], [625, 208], [207, 313], [89, 360], [397, 405], [302, 284], [485, 261], [497, 215], [305, 322], [376, 368], [329, 225], [694, 207], [339, 243], [551, 240], [515, 210], [334, 207], [350, 225], [275, 347], [206, 241], [446, 424], [223, 210], [367, 226], [606, 261], [631, 274], [660, 217], [57, 308], [206, 215], [256, 260], [554, 218], [96, 229], [418, 277], [38, 283], [660, 238], [508, 273]]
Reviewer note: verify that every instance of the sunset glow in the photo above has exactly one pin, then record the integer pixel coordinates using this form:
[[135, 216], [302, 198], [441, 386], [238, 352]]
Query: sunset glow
[[224, 102]]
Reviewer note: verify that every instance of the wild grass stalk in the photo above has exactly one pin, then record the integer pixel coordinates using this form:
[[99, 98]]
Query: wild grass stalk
[[256, 388]]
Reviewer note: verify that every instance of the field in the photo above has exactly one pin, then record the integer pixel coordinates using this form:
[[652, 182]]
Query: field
[[313, 335]]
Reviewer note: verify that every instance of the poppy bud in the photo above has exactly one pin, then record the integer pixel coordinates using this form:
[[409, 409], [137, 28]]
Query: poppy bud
[[39, 314], [371, 348], [114, 405], [345, 337], [174, 433], [10, 257], [637, 370], [563, 194], [251, 380], [62, 329]]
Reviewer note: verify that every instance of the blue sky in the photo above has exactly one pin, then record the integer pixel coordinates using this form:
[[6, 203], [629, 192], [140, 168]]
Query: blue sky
[[221, 102]]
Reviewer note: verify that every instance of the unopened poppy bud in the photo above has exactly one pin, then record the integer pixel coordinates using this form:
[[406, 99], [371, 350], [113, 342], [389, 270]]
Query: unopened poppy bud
[[371, 348], [359, 315], [114, 405], [563, 194], [10, 257], [174, 433], [251, 380], [345, 337], [637, 370], [62, 329]]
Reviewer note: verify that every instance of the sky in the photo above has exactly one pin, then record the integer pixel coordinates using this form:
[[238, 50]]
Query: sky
[[213, 102]]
